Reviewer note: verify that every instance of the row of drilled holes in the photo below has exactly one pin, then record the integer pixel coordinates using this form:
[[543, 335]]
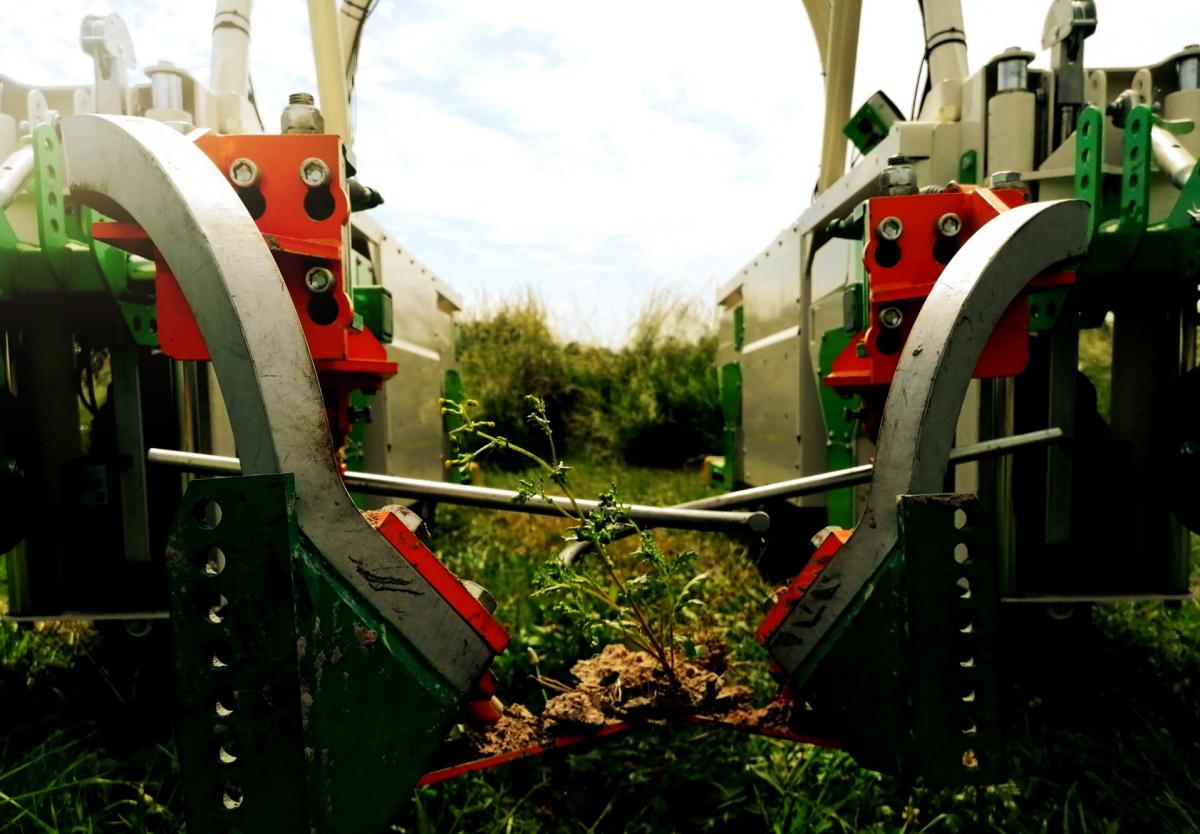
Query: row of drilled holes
[[966, 627], [207, 515]]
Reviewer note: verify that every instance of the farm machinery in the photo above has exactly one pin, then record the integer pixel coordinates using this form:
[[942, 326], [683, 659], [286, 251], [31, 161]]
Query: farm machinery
[[925, 313], [934, 298]]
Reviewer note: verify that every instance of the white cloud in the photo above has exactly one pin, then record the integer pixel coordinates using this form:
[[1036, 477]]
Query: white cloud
[[592, 151]]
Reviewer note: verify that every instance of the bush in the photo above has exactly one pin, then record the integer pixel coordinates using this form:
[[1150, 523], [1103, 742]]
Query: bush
[[653, 402], [509, 352]]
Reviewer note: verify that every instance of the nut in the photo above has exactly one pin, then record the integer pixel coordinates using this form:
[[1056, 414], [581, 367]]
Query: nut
[[890, 228], [899, 177], [301, 116], [314, 172], [891, 317], [243, 172], [318, 279], [949, 224]]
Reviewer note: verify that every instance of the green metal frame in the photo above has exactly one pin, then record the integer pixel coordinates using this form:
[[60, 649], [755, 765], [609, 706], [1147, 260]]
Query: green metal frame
[[453, 390], [841, 426], [918, 654], [872, 122], [65, 257], [968, 168], [1122, 231], [374, 304], [728, 474], [300, 708]]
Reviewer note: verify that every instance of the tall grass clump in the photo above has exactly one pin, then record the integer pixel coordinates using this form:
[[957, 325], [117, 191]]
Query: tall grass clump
[[653, 402], [666, 407], [509, 352]]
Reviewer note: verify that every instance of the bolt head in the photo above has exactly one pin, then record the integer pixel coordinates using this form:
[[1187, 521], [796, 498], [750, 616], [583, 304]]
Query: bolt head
[[949, 224], [314, 172], [899, 177], [243, 172], [890, 228], [1006, 179], [318, 279], [891, 317], [410, 520], [481, 594]]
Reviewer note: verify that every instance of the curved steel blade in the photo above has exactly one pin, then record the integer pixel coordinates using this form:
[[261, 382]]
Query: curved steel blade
[[141, 169], [923, 405]]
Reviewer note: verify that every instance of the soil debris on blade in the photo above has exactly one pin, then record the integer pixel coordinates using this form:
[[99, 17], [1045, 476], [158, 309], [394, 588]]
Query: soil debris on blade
[[620, 685]]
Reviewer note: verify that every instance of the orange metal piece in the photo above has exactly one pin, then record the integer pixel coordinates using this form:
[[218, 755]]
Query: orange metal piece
[[304, 228], [440, 578], [788, 597], [903, 272]]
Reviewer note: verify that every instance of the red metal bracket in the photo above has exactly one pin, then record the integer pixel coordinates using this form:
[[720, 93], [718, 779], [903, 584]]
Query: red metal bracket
[[903, 272], [802, 582], [439, 576]]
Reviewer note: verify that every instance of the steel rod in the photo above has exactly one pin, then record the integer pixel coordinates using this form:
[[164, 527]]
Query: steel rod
[[682, 518], [855, 475], [826, 481], [15, 171]]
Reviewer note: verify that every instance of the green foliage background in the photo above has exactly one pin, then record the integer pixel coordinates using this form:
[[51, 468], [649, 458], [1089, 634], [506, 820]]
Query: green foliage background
[[653, 402]]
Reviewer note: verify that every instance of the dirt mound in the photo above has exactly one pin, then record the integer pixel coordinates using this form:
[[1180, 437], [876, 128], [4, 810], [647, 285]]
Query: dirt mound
[[620, 685]]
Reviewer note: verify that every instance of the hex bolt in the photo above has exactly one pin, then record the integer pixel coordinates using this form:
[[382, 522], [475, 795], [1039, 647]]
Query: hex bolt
[[481, 594], [314, 172], [891, 317], [1006, 179], [890, 228], [318, 279], [899, 177], [949, 224], [410, 520], [243, 172]]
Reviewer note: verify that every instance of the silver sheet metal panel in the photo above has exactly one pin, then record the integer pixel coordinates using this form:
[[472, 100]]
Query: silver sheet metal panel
[[770, 357], [405, 436]]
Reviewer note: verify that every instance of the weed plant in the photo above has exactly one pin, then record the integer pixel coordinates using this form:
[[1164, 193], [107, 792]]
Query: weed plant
[[643, 608]]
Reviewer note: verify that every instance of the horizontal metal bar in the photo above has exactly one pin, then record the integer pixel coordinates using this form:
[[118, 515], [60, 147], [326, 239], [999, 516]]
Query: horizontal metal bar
[[86, 617], [680, 518], [15, 171], [826, 481]]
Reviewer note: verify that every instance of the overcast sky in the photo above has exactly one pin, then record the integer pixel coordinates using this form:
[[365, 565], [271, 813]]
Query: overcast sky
[[593, 151]]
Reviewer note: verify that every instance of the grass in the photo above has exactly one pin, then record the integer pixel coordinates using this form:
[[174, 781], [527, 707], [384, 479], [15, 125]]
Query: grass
[[76, 754], [1104, 725], [1102, 719], [1103, 713]]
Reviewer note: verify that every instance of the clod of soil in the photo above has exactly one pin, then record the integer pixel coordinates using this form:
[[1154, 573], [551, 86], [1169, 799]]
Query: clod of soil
[[620, 685]]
